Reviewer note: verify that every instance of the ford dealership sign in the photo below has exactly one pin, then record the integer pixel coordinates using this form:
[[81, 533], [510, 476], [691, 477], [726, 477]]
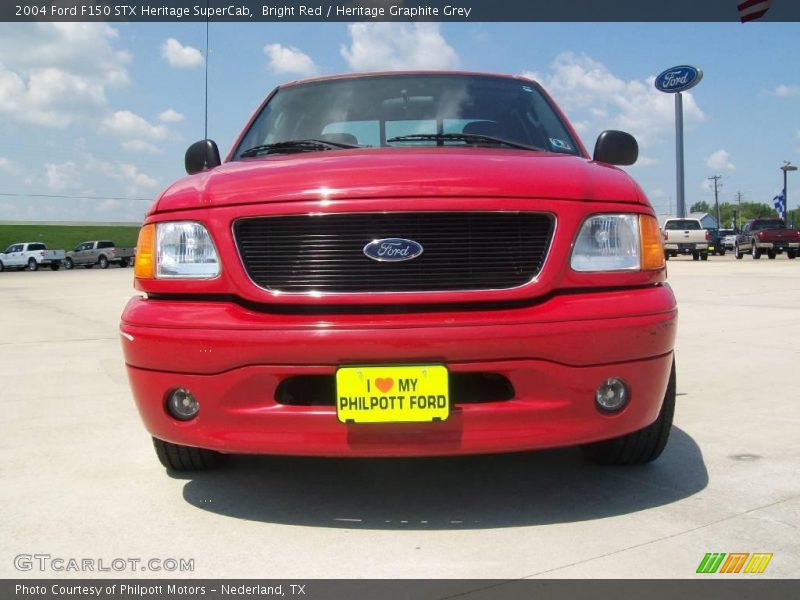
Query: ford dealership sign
[[678, 79]]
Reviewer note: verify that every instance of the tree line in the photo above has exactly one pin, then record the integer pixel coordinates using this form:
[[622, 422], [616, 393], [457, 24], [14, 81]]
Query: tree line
[[743, 212]]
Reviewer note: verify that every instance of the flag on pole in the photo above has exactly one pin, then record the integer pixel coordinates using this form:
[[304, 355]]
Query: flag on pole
[[779, 202], [750, 10]]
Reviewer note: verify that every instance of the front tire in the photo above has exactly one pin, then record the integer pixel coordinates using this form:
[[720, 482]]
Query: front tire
[[33, 265], [187, 458], [738, 253], [642, 446], [2, 266], [103, 262], [68, 264]]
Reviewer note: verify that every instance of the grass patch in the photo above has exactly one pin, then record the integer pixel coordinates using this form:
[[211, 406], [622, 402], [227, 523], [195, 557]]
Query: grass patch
[[66, 237]]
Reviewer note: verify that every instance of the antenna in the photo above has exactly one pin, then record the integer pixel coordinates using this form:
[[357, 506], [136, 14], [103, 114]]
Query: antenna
[[205, 131]]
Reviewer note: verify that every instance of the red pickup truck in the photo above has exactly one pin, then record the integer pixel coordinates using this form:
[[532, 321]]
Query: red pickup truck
[[767, 235], [403, 264]]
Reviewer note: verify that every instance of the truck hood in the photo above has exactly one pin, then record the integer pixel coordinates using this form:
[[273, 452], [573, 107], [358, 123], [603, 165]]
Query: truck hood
[[402, 172]]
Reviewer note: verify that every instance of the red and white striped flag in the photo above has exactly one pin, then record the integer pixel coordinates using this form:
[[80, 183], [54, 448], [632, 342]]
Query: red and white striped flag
[[750, 10]]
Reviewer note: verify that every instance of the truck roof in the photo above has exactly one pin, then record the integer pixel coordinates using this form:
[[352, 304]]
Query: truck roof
[[401, 73]]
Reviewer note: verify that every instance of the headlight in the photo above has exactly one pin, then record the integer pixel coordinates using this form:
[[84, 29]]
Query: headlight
[[176, 250], [618, 242], [184, 250]]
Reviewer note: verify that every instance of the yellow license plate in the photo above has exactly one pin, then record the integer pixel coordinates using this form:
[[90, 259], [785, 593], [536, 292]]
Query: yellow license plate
[[409, 394]]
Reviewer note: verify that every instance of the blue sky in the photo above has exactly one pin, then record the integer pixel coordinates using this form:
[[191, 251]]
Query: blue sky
[[105, 112]]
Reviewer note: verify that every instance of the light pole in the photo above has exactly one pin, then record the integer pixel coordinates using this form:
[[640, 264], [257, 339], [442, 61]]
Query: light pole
[[787, 166]]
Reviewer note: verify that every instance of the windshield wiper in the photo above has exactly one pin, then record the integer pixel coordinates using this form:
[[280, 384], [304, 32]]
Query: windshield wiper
[[292, 146], [462, 137]]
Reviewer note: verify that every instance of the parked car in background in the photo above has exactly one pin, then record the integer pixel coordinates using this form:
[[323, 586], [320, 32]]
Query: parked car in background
[[686, 236], [31, 256], [337, 291], [101, 253], [717, 245], [767, 235], [729, 241]]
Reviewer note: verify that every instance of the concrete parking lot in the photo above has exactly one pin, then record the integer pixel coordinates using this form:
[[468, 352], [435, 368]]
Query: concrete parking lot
[[80, 478]]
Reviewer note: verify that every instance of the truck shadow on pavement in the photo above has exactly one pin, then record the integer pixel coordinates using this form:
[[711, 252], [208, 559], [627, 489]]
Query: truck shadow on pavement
[[472, 492]]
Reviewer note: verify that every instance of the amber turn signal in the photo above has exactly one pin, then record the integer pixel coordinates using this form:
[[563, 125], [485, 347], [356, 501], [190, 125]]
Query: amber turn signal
[[652, 250], [146, 253]]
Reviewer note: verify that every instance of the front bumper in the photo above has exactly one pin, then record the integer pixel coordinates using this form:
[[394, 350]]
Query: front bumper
[[554, 353]]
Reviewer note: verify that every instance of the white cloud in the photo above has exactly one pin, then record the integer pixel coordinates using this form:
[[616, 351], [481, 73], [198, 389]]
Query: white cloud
[[603, 100], [84, 49], [136, 181], [9, 167], [109, 205], [171, 116], [61, 176], [397, 46], [646, 161], [180, 56], [87, 173], [786, 91], [137, 132], [142, 146], [288, 59], [720, 161], [53, 74]]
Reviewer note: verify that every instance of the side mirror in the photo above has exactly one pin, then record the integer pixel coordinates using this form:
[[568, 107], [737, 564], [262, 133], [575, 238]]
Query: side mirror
[[201, 156], [616, 148]]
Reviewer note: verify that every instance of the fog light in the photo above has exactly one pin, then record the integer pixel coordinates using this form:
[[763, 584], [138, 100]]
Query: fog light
[[612, 395], [182, 405]]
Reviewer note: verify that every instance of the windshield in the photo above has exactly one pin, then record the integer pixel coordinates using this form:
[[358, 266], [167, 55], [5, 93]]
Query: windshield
[[682, 224], [438, 110]]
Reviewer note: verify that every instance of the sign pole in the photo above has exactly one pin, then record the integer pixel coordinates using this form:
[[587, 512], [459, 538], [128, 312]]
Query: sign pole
[[679, 154], [674, 81]]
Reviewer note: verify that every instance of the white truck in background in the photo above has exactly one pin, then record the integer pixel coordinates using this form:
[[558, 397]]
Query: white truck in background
[[31, 256], [686, 236]]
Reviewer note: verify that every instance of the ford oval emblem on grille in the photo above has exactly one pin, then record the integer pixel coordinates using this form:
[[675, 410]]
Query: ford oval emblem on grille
[[393, 249]]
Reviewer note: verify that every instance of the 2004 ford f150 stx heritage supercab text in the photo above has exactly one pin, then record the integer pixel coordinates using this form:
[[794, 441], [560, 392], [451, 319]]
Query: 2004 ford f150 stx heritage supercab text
[[405, 264]]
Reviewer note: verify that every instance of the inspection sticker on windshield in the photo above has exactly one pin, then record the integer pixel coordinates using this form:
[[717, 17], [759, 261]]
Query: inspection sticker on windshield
[[396, 394], [560, 144]]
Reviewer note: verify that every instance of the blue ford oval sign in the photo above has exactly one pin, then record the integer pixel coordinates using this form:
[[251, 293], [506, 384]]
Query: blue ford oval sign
[[678, 79], [392, 249]]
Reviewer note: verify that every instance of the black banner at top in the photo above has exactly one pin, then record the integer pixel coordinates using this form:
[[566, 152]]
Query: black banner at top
[[391, 10]]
